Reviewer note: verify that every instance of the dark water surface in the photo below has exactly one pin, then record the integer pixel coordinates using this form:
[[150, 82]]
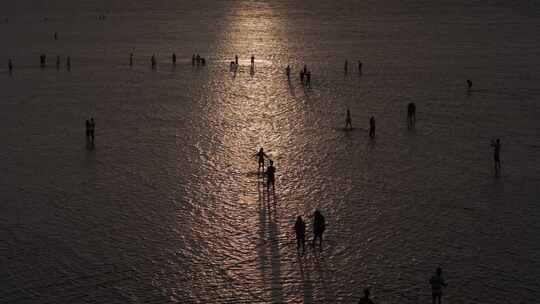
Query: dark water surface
[[168, 207]]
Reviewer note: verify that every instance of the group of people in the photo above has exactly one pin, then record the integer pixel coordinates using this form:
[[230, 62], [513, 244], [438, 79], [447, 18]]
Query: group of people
[[319, 226], [198, 60], [305, 75], [90, 128], [270, 172], [346, 66]]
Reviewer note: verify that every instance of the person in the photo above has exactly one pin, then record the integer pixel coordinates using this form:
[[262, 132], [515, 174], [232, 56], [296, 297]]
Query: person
[[236, 59], [302, 76], [359, 67], [92, 129], [68, 63], [174, 58], [372, 127], [437, 283], [270, 176], [260, 158], [10, 65], [365, 299], [153, 61], [288, 71], [203, 61], [252, 60], [319, 225], [411, 114], [469, 84], [88, 127], [43, 60], [193, 60], [300, 230], [348, 121], [496, 155], [346, 67], [131, 59], [305, 69], [55, 36], [57, 62], [308, 79]]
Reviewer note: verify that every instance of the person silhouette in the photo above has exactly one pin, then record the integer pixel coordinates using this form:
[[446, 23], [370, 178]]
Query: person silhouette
[[411, 115], [496, 155], [153, 61], [252, 60], [319, 226], [365, 299], [260, 158], [92, 129], [131, 59], [300, 230], [10, 65], [55, 36], [305, 69], [57, 62], [308, 79], [88, 127], [174, 58], [236, 59], [193, 59], [348, 120], [68, 63], [372, 127], [302, 76], [270, 176], [359, 67], [469, 84], [288, 71], [437, 283], [346, 67]]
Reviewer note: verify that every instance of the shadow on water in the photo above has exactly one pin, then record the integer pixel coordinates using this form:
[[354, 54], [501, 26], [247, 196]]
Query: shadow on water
[[269, 235]]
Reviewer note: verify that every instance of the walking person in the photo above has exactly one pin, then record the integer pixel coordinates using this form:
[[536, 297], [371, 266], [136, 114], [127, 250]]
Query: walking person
[[437, 283], [497, 155], [10, 65], [346, 67], [252, 61], [319, 226], [372, 127], [348, 121], [174, 58], [300, 231], [359, 67], [260, 158], [469, 84], [131, 59], [270, 177], [88, 127]]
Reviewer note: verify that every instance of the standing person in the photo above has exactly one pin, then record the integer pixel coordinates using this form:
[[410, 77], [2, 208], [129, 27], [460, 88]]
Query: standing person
[[496, 155], [236, 59], [346, 67], [469, 84], [153, 61], [68, 63], [10, 65], [366, 299], [88, 127], [131, 59], [319, 225], [288, 71], [300, 230], [437, 283], [252, 60], [174, 58], [348, 121], [411, 114], [92, 129], [359, 67], [270, 176], [55, 36], [260, 158], [372, 127]]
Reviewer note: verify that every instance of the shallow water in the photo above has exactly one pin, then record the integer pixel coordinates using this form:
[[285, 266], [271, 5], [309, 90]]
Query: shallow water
[[168, 207]]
